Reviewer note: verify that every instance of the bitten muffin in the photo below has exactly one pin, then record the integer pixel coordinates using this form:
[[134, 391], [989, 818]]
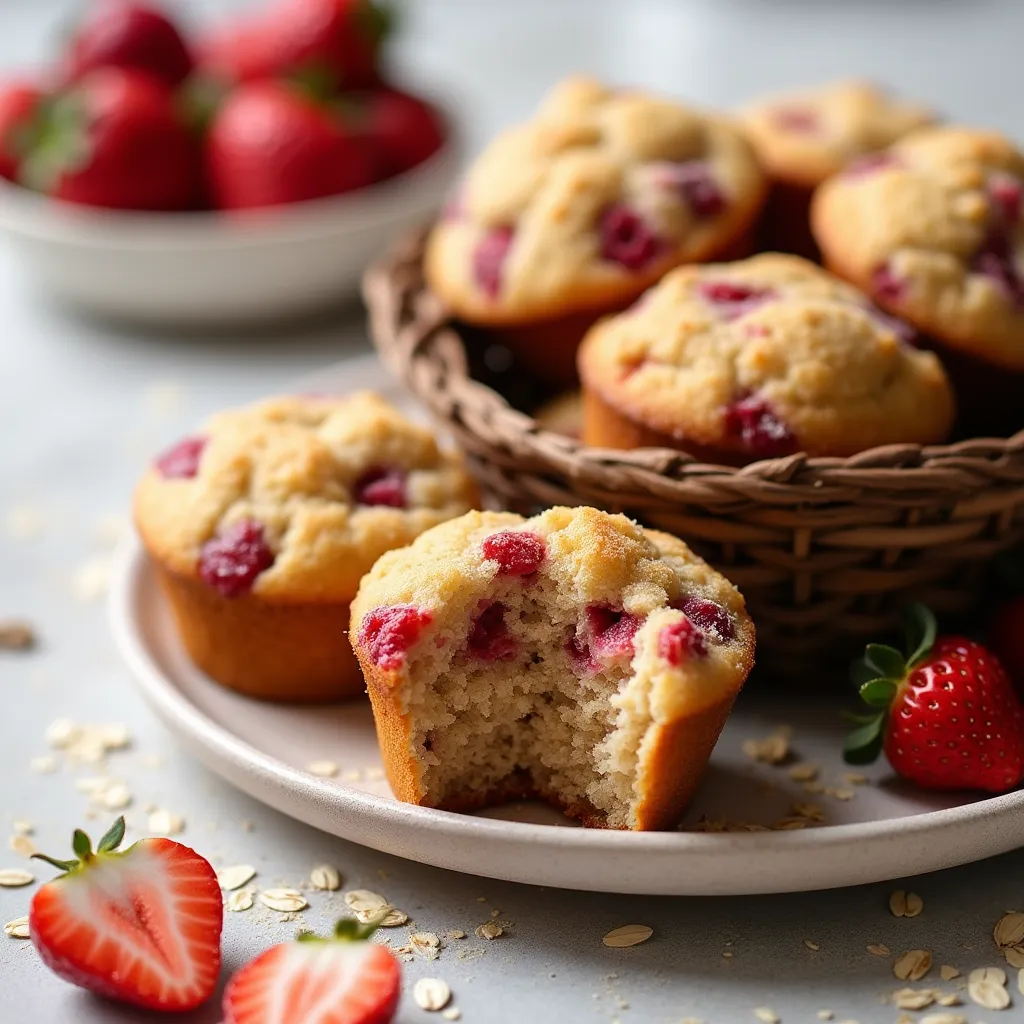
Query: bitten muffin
[[573, 214], [803, 137], [933, 230], [573, 656], [261, 526], [757, 359]]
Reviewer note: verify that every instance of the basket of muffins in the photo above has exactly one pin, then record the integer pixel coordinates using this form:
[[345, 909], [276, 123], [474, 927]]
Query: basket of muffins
[[793, 337]]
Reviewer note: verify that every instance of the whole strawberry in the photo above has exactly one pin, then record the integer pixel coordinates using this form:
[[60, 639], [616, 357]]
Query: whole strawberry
[[140, 925], [341, 980], [335, 43], [947, 716], [404, 130], [130, 35], [271, 144], [19, 107], [114, 139]]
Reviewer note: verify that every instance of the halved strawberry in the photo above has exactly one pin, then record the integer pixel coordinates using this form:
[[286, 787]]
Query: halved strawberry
[[140, 925], [340, 980]]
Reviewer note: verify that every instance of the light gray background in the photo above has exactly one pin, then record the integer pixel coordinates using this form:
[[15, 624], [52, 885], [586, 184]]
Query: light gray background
[[81, 406]]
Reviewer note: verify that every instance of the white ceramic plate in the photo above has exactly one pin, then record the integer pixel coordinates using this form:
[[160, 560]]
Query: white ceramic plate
[[886, 831]]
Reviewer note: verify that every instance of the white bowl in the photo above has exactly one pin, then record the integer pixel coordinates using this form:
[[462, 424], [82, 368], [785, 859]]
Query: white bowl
[[212, 269]]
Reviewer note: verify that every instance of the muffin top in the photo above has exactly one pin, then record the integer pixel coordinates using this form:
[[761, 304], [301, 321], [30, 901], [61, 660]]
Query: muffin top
[[624, 588], [934, 230], [588, 203], [294, 498], [763, 358], [806, 136]]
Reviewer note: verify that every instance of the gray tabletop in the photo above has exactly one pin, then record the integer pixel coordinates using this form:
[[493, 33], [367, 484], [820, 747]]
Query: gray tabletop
[[83, 405]]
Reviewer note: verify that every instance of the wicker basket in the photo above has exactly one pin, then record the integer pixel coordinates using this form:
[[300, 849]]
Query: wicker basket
[[826, 550]]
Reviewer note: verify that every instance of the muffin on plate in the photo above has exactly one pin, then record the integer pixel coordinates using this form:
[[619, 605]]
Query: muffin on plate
[[576, 212], [261, 526], [803, 137], [933, 230], [757, 359], [574, 656]]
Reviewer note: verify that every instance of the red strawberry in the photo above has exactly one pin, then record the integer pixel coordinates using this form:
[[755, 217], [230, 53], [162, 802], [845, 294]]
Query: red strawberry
[[140, 925], [1006, 638], [341, 980], [948, 717], [130, 35], [405, 130], [269, 144], [335, 42], [19, 104], [114, 139]]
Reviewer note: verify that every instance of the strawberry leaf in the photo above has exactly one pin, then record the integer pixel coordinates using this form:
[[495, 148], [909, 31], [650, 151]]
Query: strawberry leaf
[[81, 844], [886, 661], [864, 744], [878, 693], [60, 865], [113, 837], [348, 929], [861, 672], [920, 628]]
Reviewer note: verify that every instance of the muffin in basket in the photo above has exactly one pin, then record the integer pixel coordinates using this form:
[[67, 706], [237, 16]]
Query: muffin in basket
[[933, 229], [575, 213], [802, 138], [758, 359], [574, 656], [261, 527]]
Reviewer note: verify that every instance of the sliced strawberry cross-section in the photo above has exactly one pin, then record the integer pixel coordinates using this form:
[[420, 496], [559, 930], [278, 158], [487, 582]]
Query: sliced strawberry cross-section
[[182, 461], [611, 631], [678, 640], [517, 552], [489, 636], [626, 239], [381, 485], [754, 423], [388, 633], [489, 260], [231, 561]]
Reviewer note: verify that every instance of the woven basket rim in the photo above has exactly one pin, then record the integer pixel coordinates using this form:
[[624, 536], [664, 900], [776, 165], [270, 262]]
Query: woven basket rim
[[417, 340]]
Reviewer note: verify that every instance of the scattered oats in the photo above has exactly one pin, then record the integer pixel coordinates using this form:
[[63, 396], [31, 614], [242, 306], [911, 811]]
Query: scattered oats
[[804, 772], [947, 999], [366, 905], [323, 769], [841, 794], [325, 877], [285, 901], [904, 1018], [15, 878], [905, 904], [114, 736], [1014, 956], [764, 1014], [165, 823], [455, 933], [913, 999], [987, 987], [394, 918], [452, 1013], [427, 944], [812, 812], [470, 954], [116, 798], [788, 824], [352, 775], [878, 949], [22, 827], [627, 935], [431, 994], [772, 749], [495, 913], [17, 929], [16, 636], [812, 945], [944, 1018], [481, 899], [22, 846], [914, 905], [814, 787], [44, 765], [947, 972], [61, 733], [825, 1015], [856, 779], [235, 877], [1009, 930], [913, 965], [93, 785], [492, 930], [239, 900], [91, 579], [374, 774], [728, 954]]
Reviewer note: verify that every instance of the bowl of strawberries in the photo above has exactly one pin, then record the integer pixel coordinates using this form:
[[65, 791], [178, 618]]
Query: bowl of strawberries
[[243, 174]]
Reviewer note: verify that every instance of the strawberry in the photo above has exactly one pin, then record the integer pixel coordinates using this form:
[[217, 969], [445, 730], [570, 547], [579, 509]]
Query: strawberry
[[270, 144], [140, 925], [946, 716], [404, 130], [114, 139], [334, 42], [1006, 639], [340, 980], [130, 35], [19, 104]]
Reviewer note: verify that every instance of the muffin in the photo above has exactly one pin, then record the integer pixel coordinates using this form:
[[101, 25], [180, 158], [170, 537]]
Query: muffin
[[758, 359], [574, 656], [801, 138], [933, 230], [576, 212], [260, 528]]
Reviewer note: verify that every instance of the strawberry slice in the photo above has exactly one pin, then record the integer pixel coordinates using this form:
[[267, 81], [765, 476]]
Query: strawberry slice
[[140, 925], [340, 980]]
